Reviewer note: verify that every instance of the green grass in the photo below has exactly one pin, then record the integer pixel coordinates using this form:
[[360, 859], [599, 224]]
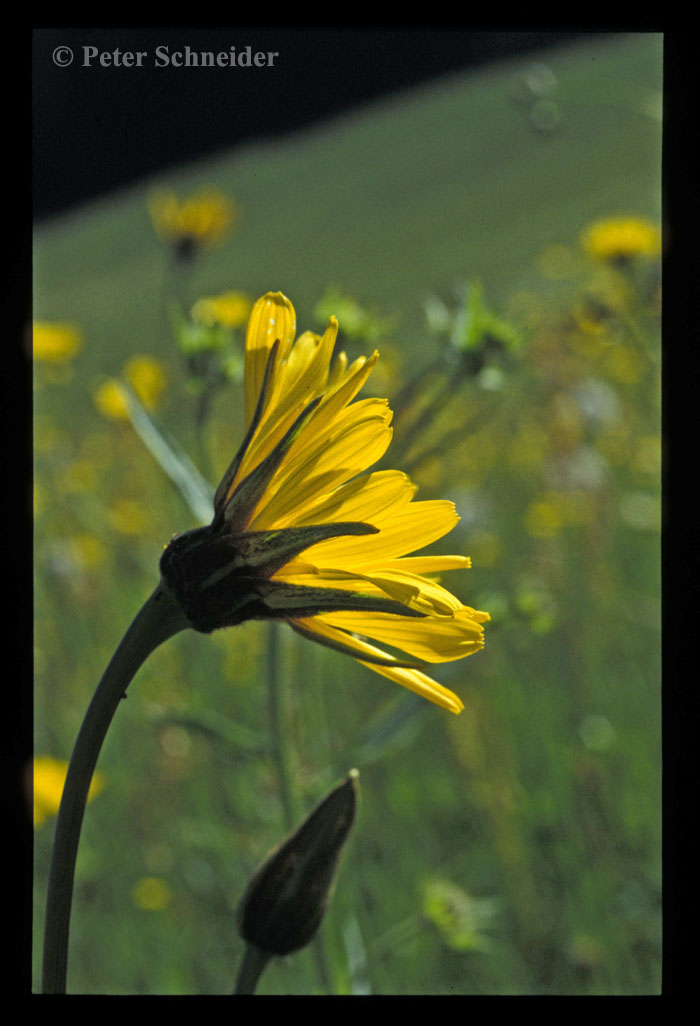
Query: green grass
[[543, 798]]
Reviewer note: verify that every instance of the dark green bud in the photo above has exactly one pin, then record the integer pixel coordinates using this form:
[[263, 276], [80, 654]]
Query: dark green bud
[[287, 897]]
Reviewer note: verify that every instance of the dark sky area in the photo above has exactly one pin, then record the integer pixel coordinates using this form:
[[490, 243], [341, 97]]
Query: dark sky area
[[100, 125]]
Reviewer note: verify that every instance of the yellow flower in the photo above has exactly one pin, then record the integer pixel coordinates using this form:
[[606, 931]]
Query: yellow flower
[[230, 309], [301, 534], [111, 400], [49, 778], [148, 378], [55, 343], [203, 219], [619, 239]]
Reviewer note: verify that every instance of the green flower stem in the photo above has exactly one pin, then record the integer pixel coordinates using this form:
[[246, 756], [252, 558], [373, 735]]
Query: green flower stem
[[252, 967], [159, 619], [277, 729], [284, 778]]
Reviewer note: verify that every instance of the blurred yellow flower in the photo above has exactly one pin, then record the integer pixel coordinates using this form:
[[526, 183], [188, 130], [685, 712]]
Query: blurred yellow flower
[[151, 893], [203, 219], [148, 377], [111, 400], [55, 343], [49, 778], [230, 309], [619, 239]]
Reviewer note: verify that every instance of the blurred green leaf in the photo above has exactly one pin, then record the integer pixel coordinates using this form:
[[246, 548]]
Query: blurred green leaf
[[461, 919], [173, 461]]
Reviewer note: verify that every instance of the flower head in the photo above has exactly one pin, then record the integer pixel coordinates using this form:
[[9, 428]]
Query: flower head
[[620, 239], [203, 219], [301, 533], [49, 779], [55, 343], [230, 309], [145, 375]]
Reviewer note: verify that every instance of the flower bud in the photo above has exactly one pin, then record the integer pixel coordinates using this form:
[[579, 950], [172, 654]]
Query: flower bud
[[287, 896]]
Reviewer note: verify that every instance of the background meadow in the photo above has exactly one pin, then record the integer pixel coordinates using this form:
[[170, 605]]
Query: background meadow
[[514, 849]]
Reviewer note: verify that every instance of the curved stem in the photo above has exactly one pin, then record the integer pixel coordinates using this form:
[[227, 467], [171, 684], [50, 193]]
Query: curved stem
[[159, 619]]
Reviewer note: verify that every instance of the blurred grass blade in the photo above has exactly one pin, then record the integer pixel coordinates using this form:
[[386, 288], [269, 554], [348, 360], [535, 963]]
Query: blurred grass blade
[[195, 489], [391, 729]]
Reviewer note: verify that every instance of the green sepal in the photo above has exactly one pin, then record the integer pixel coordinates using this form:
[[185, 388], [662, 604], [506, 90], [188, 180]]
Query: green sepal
[[267, 551], [225, 483], [222, 579], [289, 601]]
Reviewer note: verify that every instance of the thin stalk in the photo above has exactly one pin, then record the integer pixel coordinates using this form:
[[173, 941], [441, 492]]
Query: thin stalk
[[280, 748], [159, 619], [252, 966]]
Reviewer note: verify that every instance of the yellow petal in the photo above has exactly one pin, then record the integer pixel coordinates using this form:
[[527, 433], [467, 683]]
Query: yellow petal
[[337, 370], [429, 564], [422, 685], [273, 317], [300, 377], [401, 531], [359, 499], [412, 590], [433, 639], [346, 388], [318, 462], [414, 680], [428, 596]]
